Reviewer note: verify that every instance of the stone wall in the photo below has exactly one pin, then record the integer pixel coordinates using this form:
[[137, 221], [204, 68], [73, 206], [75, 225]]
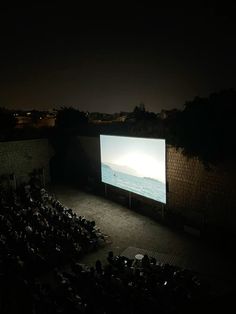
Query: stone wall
[[22, 157], [203, 198]]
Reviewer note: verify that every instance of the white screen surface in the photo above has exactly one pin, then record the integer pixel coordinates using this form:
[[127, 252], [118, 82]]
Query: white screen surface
[[135, 164]]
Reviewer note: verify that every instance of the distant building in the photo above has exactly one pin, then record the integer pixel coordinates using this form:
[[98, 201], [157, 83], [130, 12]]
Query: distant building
[[46, 122], [35, 119], [121, 118], [164, 114], [106, 118], [23, 121]]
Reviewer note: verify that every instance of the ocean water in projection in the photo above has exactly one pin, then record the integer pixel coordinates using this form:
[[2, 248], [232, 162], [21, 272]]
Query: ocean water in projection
[[148, 187], [135, 164]]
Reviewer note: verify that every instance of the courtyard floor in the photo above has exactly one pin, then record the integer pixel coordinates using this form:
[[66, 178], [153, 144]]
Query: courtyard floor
[[130, 232]]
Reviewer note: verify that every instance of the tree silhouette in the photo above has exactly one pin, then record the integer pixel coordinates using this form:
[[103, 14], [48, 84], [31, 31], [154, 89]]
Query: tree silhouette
[[206, 127], [36, 115], [69, 117], [7, 119], [140, 113]]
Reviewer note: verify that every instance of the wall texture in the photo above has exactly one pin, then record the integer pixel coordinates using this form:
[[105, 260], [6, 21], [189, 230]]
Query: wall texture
[[203, 198], [22, 157]]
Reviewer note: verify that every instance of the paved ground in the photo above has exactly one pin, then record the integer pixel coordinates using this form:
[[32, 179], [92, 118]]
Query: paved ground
[[126, 228]]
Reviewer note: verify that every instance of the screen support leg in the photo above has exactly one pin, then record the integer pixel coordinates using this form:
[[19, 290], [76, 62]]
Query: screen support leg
[[130, 199], [105, 187]]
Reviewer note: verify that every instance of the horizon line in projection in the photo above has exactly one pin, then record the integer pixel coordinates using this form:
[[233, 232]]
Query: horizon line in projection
[[135, 164]]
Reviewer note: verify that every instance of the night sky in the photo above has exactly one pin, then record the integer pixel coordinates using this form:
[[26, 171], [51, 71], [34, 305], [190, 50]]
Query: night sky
[[111, 58]]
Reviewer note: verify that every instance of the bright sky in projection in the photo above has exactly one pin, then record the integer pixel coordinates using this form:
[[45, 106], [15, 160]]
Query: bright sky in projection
[[144, 165], [145, 156]]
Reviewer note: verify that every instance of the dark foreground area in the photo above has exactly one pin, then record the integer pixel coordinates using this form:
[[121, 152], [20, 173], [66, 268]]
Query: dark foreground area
[[43, 244]]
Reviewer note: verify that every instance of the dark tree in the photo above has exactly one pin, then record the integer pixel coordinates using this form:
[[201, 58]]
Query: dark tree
[[7, 119], [206, 127], [70, 118], [140, 113], [36, 116]]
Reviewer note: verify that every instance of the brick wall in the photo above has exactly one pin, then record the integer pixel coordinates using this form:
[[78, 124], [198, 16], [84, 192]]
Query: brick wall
[[202, 197], [200, 194]]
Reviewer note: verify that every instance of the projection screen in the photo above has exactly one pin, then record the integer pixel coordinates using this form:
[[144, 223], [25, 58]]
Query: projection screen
[[135, 164]]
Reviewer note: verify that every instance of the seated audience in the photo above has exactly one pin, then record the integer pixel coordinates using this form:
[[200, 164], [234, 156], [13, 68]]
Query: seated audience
[[41, 242]]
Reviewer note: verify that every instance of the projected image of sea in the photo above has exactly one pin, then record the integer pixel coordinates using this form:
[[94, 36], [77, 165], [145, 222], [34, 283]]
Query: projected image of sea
[[148, 187]]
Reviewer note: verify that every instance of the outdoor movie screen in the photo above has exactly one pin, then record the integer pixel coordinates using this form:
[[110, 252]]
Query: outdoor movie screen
[[135, 164]]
